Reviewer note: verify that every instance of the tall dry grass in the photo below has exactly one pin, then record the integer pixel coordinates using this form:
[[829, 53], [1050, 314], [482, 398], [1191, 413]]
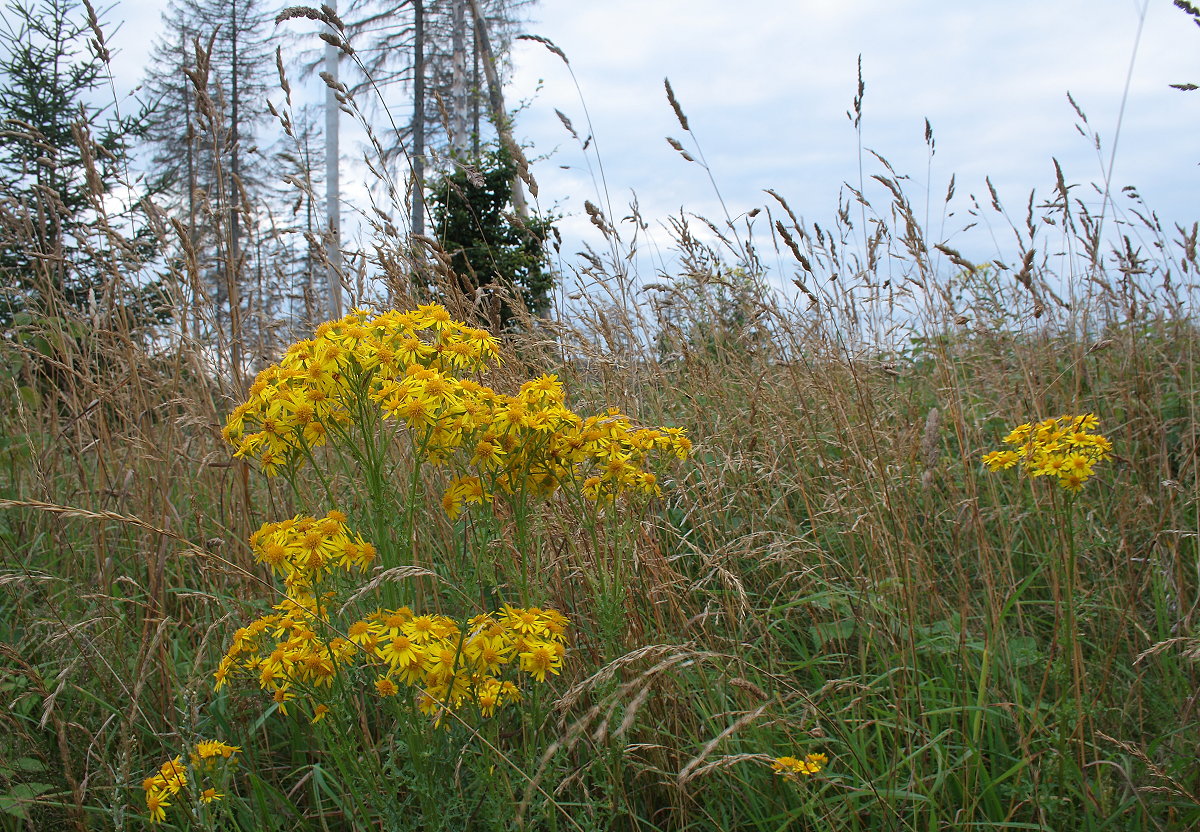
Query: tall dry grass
[[833, 571]]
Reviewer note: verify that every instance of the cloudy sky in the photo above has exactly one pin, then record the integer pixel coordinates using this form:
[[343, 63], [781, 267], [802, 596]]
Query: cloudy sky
[[766, 85]]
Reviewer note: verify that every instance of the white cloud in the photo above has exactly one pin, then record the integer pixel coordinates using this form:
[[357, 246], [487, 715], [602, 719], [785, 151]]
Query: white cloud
[[766, 86]]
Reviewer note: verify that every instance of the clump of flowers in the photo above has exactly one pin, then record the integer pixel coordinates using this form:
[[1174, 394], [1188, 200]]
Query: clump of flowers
[[172, 777], [413, 367], [795, 768], [1066, 448], [287, 652], [305, 551], [314, 389], [284, 650], [449, 667], [358, 385]]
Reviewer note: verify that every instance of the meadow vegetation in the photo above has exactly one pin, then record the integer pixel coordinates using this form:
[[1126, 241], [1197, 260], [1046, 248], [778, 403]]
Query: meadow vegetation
[[692, 553]]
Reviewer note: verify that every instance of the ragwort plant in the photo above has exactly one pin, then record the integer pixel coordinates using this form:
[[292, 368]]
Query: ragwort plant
[[833, 562], [1066, 450], [374, 393], [211, 762]]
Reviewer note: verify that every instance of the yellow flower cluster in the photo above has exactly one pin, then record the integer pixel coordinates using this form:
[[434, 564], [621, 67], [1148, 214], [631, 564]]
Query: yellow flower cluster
[[305, 550], [530, 442], [285, 651], [172, 777], [314, 389], [412, 365], [1065, 448], [793, 767], [450, 668]]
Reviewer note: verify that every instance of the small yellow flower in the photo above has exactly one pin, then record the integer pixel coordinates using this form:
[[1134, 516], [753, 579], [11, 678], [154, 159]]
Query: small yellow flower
[[1052, 466], [1064, 448], [540, 660], [156, 806], [1078, 463], [420, 629], [281, 697], [1072, 481], [792, 767], [999, 460], [214, 748]]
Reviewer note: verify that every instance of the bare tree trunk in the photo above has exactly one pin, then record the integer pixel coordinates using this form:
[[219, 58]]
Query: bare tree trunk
[[234, 191], [333, 202], [458, 78], [496, 103], [475, 93], [418, 126], [189, 155], [261, 304], [309, 289]]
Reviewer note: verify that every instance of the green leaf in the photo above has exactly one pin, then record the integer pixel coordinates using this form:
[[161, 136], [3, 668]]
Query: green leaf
[[1023, 652], [9, 805], [30, 396], [15, 801], [29, 791], [831, 631]]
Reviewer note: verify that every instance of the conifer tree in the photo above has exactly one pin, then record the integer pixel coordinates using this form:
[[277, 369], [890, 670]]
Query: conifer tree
[[490, 248], [61, 156], [207, 83]]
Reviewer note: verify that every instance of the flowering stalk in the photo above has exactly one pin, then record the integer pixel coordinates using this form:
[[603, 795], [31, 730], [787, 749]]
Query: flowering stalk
[[359, 385], [208, 758], [1066, 449]]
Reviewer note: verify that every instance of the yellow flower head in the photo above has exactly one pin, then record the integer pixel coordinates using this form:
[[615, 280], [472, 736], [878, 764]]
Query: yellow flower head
[[793, 767], [1064, 448], [209, 752], [156, 806]]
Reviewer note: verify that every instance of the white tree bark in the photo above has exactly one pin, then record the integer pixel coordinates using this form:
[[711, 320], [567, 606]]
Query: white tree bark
[[458, 80], [333, 200], [496, 103], [418, 126]]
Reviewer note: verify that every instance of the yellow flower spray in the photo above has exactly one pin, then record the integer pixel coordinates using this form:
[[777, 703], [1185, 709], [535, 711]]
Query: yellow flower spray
[[174, 777], [1066, 449], [350, 392]]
